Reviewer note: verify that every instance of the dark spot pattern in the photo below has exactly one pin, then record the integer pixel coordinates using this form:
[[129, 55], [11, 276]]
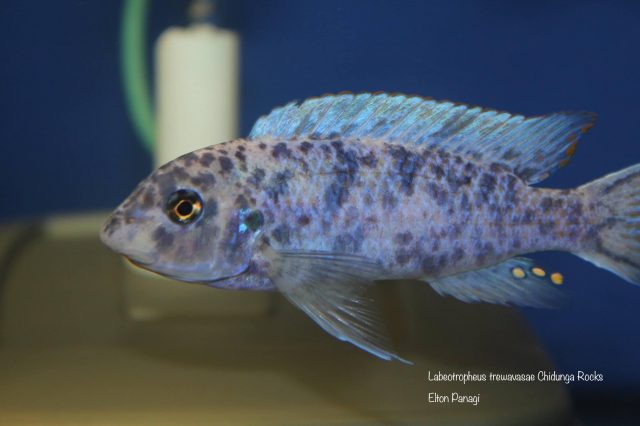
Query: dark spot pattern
[[241, 202], [464, 202], [484, 250], [370, 160], [456, 180], [546, 204], [528, 216], [389, 201], [437, 193], [546, 226], [256, 177], [304, 220], [511, 195], [403, 256], [179, 173], [457, 255], [206, 159], [368, 199], [225, 164], [305, 147], [204, 180], [403, 238], [346, 169], [487, 185], [437, 170], [148, 200], [429, 265], [281, 233], [188, 159], [335, 196], [455, 230], [347, 162], [113, 224], [349, 242], [495, 168], [281, 150], [279, 185], [575, 213], [407, 164], [510, 154], [211, 207], [162, 237]]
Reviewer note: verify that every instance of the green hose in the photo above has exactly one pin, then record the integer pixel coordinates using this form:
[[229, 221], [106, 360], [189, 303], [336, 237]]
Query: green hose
[[134, 69]]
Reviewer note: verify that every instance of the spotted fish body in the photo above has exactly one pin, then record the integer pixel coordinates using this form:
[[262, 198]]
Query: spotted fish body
[[419, 213], [355, 188]]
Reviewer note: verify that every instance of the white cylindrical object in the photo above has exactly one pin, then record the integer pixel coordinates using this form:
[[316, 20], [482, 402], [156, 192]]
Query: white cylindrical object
[[196, 89]]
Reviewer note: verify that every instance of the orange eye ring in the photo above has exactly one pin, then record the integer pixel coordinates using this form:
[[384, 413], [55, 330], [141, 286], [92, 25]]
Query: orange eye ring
[[184, 206]]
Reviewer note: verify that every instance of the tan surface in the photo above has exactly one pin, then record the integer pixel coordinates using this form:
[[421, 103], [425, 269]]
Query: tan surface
[[67, 356]]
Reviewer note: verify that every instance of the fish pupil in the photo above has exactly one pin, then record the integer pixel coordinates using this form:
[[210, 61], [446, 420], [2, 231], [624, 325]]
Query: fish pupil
[[184, 208]]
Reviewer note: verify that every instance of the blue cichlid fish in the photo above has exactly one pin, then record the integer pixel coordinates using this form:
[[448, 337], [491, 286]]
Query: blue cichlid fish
[[328, 195]]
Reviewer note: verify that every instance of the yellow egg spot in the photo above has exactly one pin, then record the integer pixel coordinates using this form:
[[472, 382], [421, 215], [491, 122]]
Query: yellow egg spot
[[518, 272], [538, 272], [557, 278]]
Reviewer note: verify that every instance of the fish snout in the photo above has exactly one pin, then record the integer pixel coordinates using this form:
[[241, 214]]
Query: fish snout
[[114, 230], [111, 226]]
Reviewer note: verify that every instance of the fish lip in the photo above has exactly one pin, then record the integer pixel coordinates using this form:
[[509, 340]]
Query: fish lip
[[139, 263], [142, 262], [147, 265]]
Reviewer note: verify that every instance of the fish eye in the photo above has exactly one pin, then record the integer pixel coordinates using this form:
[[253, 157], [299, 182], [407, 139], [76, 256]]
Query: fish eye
[[184, 206]]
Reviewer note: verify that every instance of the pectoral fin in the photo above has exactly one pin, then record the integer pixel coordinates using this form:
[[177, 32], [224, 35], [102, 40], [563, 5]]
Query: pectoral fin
[[516, 281], [331, 288]]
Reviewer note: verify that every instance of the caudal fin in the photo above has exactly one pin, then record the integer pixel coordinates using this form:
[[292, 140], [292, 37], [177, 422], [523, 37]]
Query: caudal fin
[[616, 244]]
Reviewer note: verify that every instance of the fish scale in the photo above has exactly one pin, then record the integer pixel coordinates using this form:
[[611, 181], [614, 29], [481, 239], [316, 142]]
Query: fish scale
[[329, 195]]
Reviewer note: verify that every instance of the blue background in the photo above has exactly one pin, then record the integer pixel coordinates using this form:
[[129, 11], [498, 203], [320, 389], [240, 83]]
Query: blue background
[[66, 143]]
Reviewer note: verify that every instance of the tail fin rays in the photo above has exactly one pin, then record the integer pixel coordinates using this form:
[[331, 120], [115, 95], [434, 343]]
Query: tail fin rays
[[616, 245]]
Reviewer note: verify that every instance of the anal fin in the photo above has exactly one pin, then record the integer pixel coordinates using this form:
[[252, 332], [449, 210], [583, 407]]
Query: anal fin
[[516, 281]]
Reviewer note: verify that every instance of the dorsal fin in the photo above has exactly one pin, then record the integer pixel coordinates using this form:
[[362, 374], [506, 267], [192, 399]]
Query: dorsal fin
[[532, 148]]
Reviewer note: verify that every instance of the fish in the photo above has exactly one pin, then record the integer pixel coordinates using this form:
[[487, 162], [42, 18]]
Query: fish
[[328, 195]]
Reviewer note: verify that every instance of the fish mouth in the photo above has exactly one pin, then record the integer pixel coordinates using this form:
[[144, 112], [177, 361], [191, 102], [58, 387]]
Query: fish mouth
[[139, 263], [148, 265], [140, 259]]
